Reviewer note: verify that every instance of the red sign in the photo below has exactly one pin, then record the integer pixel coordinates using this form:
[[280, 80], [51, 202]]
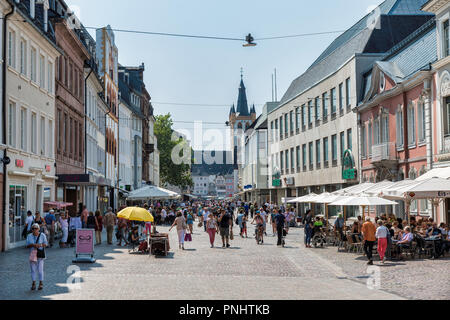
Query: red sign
[[48, 168], [19, 163]]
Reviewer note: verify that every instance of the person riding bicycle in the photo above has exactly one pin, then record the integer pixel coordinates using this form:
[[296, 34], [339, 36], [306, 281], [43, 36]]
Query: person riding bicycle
[[259, 221]]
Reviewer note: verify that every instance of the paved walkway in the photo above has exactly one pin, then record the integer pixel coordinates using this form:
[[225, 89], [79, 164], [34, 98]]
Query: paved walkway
[[244, 272]]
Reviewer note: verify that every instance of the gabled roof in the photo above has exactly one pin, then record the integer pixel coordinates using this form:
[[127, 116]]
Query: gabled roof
[[415, 54], [398, 19]]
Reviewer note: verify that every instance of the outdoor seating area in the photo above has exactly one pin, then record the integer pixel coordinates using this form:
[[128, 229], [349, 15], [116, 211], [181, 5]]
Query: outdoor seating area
[[428, 239]]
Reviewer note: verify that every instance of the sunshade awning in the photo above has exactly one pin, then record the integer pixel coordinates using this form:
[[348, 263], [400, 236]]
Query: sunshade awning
[[429, 189], [305, 199], [363, 200], [152, 192]]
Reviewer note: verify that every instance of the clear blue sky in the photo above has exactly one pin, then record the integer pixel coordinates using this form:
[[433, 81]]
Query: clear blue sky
[[197, 71]]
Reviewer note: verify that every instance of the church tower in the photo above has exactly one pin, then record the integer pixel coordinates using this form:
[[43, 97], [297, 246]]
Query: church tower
[[240, 120]]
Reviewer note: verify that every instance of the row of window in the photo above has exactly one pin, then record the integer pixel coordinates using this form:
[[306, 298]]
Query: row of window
[[70, 76], [315, 154], [318, 109], [376, 132], [28, 59], [35, 136], [70, 136]]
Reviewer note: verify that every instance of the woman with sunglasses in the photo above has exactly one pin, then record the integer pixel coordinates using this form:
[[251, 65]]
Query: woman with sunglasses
[[37, 242]]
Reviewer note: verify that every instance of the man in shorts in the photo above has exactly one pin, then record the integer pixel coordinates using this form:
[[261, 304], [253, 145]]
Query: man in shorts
[[225, 222]]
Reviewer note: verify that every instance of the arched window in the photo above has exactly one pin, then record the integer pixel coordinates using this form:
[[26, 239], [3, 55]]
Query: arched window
[[239, 126], [423, 204]]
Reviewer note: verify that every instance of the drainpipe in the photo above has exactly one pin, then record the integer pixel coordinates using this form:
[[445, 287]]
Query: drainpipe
[[428, 121], [13, 9], [405, 134]]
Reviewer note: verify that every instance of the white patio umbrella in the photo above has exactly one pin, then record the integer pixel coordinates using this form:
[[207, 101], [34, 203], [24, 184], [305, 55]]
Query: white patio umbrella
[[363, 200], [355, 189], [326, 198], [152, 193], [305, 199]]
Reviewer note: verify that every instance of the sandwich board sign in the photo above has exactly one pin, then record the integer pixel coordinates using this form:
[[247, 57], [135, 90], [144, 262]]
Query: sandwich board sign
[[84, 252]]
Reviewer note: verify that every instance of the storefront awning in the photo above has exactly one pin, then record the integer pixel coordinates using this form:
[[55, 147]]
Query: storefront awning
[[21, 174], [83, 180]]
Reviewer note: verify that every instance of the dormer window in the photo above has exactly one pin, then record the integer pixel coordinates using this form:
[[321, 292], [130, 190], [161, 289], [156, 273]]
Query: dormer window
[[382, 82]]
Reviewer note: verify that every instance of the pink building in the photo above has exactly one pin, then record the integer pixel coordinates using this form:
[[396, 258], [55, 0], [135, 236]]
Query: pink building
[[394, 114]]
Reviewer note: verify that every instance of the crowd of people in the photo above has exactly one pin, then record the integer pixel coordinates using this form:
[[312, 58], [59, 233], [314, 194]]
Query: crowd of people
[[218, 218]]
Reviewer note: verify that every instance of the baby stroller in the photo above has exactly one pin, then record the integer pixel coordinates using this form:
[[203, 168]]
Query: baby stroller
[[71, 238]]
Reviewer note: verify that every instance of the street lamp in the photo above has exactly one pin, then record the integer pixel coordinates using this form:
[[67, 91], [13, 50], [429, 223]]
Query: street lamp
[[249, 40]]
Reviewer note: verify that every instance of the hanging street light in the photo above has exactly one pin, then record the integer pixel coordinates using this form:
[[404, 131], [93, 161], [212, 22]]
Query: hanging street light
[[249, 40]]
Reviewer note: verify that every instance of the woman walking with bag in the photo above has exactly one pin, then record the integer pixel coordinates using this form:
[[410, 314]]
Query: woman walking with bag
[[98, 227], [180, 222], [63, 221], [213, 228], [37, 242]]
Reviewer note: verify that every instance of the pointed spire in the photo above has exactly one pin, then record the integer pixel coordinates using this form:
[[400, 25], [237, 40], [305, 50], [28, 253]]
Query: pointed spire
[[253, 109], [232, 110], [242, 106]]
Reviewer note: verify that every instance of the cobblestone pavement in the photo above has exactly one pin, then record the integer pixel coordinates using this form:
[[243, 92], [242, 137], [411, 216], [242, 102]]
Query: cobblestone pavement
[[246, 271], [418, 279]]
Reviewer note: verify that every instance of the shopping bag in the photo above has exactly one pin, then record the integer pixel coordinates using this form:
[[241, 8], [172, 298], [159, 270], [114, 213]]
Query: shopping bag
[[188, 237], [33, 255]]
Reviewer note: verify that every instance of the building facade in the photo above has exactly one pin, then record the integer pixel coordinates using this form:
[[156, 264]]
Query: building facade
[[70, 115], [394, 134], [256, 164], [96, 197], [438, 119], [130, 132], [107, 55], [313, 136], [30, 96]]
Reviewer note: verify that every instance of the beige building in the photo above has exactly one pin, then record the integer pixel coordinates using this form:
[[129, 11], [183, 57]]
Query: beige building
[[30, 90], [313, 135]]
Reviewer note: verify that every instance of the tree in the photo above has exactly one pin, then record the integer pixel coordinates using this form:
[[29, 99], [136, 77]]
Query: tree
[[175, 154]]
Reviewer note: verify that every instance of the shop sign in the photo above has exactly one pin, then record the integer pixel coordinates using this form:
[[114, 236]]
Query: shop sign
[[19, 163], [349, 171], [48, 168], [276, 183]]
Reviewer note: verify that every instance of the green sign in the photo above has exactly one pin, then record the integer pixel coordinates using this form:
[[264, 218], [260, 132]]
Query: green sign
[[349, 171], [276, 183]]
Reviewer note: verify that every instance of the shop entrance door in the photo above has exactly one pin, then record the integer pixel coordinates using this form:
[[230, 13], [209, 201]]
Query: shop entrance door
[[71, 196]]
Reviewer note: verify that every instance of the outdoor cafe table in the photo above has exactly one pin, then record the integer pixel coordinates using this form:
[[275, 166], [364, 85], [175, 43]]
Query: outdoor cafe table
[[433, 240]]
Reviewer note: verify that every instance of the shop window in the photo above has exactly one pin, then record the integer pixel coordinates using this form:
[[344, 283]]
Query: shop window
[[17, 212]]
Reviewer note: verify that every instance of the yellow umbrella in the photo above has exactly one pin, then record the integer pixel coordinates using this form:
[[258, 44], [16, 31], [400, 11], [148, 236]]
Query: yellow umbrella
[[136, 214]]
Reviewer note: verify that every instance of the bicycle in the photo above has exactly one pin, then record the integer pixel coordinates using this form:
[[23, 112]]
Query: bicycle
[[259, 234]]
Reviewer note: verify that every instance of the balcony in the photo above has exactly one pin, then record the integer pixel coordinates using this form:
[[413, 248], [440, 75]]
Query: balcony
[[149, 148], [384, 152]]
